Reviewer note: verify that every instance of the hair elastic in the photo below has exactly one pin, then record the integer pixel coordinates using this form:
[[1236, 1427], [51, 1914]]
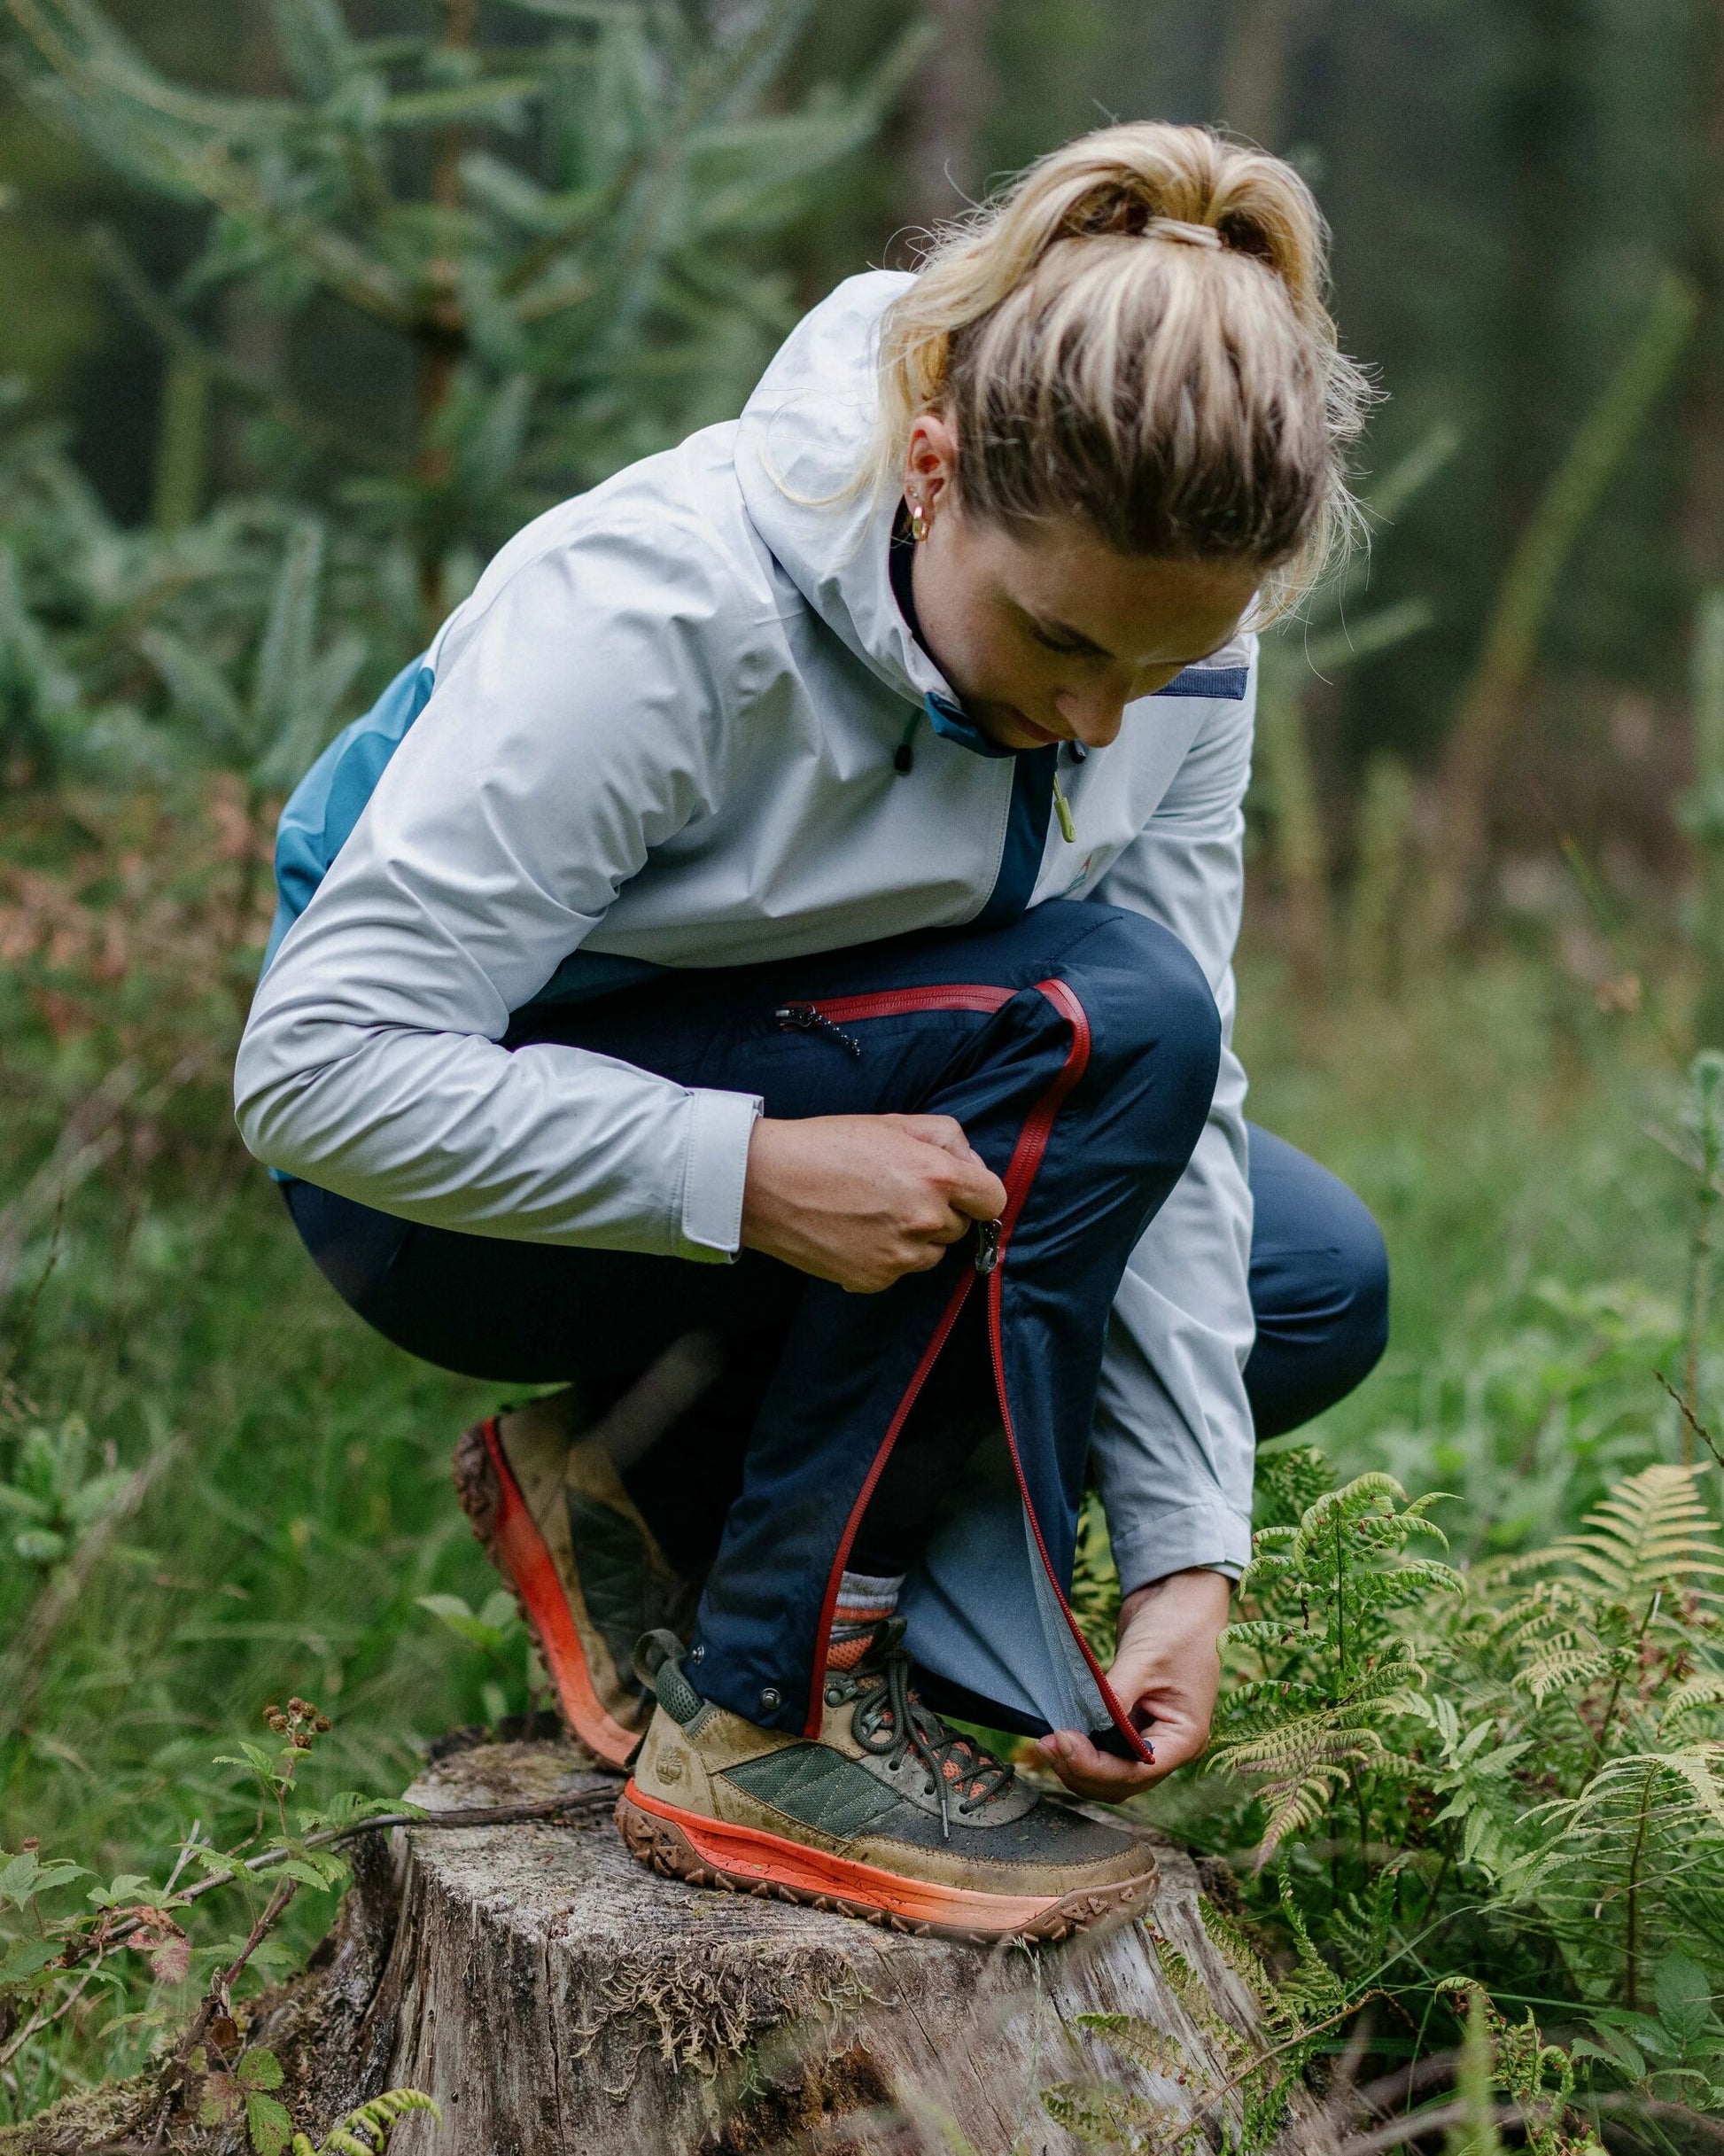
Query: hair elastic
[[1186, 234]]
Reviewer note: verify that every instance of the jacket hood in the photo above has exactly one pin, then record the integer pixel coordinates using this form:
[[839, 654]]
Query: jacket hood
[[801, 443]]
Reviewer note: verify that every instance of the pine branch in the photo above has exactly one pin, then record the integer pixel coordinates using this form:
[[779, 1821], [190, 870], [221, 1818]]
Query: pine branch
[[178, 336]]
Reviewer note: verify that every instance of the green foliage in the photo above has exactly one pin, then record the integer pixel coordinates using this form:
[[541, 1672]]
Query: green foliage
[[53, 1491], [50, 1955], [245, 2091], [560, 229], [365, 2132], [1324, 1665]]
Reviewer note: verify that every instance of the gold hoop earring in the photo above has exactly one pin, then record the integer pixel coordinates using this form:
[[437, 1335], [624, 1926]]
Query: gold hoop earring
[[918, 524]]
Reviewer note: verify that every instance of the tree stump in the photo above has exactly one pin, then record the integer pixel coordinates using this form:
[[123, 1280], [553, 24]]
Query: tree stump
[[556, 1998]]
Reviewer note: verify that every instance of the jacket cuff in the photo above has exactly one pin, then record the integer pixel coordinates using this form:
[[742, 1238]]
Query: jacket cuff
[[715, 1168], [1187, 1538]]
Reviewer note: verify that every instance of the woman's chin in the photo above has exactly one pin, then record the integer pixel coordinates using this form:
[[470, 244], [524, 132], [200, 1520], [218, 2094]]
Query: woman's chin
[[1004, 723]]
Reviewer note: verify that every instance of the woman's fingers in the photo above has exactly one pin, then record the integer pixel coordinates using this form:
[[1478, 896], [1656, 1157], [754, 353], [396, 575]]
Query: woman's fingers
[[863, 1199], [1090, 1772], [978, 1194]]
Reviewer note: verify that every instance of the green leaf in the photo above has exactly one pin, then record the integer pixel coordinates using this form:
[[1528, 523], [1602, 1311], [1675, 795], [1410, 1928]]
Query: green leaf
[[347, 1807], [1683, 1991], [268, 2125], [252, 1755], [260, 2068], [449, 1609], [123, 1889], [27, 1959], [25, 1877], [218, 2100], [309, 1873]]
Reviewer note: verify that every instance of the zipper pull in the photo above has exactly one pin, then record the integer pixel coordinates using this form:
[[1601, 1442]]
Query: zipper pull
[[1062, 809], [987, 1245], [804, 1018]]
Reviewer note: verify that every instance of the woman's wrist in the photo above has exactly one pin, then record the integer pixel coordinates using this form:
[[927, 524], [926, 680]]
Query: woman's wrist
[[1194, 1593]]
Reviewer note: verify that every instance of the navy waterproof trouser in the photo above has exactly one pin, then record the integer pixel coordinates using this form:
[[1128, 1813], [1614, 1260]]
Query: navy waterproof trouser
[[1078, 1050]]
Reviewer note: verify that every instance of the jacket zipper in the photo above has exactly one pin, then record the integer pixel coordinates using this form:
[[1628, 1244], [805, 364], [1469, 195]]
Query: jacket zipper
[[993, 1237]]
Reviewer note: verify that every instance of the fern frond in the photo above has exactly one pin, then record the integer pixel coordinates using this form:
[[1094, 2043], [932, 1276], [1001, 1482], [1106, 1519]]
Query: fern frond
[[1139, 2041], [1294, 1807], [1563, 1667], [366, 2132], [1617, 1790], [1699, 1691], [1100, 2117], [1650, 1531]]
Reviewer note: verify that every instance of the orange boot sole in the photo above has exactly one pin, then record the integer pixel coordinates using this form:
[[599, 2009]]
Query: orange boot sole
[[748, 1860], [491, 1500]]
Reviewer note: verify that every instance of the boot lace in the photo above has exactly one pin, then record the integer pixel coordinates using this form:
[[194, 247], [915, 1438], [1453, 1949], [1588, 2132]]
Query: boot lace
[[888, 1720]]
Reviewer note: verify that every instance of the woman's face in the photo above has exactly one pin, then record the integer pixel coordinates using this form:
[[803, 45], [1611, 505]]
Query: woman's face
[[1048, 637]]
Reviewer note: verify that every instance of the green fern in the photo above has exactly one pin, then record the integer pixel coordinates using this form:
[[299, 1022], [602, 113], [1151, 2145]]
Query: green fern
[[1323, 1669], [366, 2132], [1653, 1532]]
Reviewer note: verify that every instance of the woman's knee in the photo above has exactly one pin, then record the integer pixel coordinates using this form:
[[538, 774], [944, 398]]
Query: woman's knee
[[1321, 1299], [1153, 1018], [1360, 1289]]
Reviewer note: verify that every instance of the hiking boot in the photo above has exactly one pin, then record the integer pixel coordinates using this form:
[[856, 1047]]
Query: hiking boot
[[587, 1574], [890, 1814]]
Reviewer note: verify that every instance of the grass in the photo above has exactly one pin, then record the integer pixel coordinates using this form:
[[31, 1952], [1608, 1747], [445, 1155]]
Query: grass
[[1492, 1121], [1497, 1125]]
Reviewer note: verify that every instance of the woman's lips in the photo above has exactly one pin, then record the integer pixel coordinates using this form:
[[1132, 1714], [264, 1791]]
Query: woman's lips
[[1028, 726]]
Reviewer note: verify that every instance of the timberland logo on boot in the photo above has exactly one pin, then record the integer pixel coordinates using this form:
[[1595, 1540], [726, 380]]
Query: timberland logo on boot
[[669, 1767]]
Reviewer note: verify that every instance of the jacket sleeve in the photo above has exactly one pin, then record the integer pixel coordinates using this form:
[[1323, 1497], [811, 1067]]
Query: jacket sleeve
[[1173, 1444], [573, 727]]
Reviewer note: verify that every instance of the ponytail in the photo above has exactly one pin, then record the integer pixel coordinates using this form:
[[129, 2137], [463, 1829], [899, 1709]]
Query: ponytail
[[1134, 334]]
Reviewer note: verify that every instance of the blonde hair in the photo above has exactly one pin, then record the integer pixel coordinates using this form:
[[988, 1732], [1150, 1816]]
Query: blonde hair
[[1133, 334]]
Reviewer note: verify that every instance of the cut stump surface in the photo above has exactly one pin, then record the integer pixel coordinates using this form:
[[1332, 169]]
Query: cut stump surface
[[555, 1996]]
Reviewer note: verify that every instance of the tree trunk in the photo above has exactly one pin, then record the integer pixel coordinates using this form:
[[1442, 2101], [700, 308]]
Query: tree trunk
[[1264, 40], [949, 105], [558, 2000], [1702, 507], [1298, 839]]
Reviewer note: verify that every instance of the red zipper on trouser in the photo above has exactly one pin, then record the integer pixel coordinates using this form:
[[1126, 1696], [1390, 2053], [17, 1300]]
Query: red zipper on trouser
[[829, 1012], [823, 1635], [1026, 1162], [888, 1002], [1020, 1175]]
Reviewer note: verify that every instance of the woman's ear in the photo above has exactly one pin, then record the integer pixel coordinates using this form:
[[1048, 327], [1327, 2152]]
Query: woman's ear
[[930, 477]]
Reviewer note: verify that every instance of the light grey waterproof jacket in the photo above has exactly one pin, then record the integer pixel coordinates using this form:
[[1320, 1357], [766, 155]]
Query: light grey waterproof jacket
[[662, 728]]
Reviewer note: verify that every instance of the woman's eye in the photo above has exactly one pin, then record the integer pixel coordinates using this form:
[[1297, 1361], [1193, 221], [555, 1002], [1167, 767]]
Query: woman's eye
[[1055, 643]]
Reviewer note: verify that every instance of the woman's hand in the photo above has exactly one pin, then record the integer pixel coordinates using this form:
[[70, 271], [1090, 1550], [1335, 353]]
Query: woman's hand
[[863, 1199], [1166, 1675]]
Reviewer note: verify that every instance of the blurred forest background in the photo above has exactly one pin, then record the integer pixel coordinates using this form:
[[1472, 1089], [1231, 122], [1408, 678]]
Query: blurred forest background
[[1507, 183], [305, 305]]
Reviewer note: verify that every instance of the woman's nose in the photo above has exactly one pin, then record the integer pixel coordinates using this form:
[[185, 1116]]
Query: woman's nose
[[1094, 715]]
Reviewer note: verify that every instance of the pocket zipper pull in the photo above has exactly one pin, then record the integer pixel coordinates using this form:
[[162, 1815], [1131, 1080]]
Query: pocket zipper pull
[[987, 1245], [804, 1018], [1062, 809]]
